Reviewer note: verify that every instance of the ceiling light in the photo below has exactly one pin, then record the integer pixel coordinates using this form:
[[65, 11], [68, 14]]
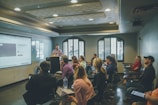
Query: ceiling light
[[74, 1], [55, 15], [108, 9], [47, 24], [51, 22], [90, 19], [17, 9], [38, 6], [111, 22]]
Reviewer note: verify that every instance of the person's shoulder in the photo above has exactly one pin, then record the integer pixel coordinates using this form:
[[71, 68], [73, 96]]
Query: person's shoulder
[[151, 67], [78, 82], [155, 92], [67, 65], [34, 76]]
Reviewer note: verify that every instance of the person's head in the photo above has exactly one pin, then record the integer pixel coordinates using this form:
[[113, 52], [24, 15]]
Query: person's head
[[80, 73], [74, 58], [45, 66], [113, 59], [94, 55], [64, 58], [57, 46], [148, 60], [138, 58], [109, 59], [97, 63], [81, 58]]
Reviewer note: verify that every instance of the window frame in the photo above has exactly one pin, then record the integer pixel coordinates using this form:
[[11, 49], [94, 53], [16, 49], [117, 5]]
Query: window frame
[[73, 38], [117, 40]]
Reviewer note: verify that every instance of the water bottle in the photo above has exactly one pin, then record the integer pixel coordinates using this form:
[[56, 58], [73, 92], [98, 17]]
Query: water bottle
[[65, 83]]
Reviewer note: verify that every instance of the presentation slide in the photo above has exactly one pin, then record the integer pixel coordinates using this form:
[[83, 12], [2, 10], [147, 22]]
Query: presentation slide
[[14, 51]]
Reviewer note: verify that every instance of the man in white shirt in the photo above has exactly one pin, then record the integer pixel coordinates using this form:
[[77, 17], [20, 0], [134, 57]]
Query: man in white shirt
[[57, 51]]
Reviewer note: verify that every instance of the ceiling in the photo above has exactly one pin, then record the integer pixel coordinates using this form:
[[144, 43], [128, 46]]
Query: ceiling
[[87, 17]]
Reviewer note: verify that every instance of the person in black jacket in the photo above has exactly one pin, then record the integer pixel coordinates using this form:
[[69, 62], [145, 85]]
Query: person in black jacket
[[145, 82], [100, 79], [40, 86], [110, 67]]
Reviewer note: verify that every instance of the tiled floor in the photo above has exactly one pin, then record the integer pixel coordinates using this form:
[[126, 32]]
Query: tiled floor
[[12, 95]]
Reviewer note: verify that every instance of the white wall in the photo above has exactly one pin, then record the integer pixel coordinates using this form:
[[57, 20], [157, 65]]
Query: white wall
[[18, 73], [149, 41]]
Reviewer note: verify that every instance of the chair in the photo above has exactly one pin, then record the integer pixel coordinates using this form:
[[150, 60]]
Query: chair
[[32, 99], [70, 80], [45, 99], [129, 74], [91, 100]]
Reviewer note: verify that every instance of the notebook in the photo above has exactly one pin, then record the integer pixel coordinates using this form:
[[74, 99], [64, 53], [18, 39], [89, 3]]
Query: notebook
[[62, 92], [137, 93]]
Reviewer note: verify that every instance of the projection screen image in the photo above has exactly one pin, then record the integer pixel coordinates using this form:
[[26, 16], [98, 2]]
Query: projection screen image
[[14, 51]]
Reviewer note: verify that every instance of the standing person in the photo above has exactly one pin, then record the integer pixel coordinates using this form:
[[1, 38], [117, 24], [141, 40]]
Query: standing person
[[100, 79], [40, 85], [83, 87], [57, 51]]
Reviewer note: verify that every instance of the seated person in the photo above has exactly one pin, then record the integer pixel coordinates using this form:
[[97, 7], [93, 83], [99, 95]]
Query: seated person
[[40, 86], [137, 64], [151, 97], [90, 67], [111, 68], [74, 62], [82, 62], [114, 62], [145, 82], [94, 56], [82, 86], [67, 70], [100, 79]]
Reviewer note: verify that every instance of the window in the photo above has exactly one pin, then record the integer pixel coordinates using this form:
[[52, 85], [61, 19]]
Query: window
[[73, 47], [111, 45], [39, 49]]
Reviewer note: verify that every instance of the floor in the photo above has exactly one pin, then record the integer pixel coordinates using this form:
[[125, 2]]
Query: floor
[[12, 95]]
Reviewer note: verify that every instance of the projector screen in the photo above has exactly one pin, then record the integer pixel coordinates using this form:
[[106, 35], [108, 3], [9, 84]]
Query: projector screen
[[14, 51]]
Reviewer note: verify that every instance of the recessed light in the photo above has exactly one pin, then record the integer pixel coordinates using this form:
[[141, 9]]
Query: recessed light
[[90, 19], [38, 6], [74, 1], [108, 9], [51, 22], [55, 15], [111, 22], [47, 24], [17, 9]]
